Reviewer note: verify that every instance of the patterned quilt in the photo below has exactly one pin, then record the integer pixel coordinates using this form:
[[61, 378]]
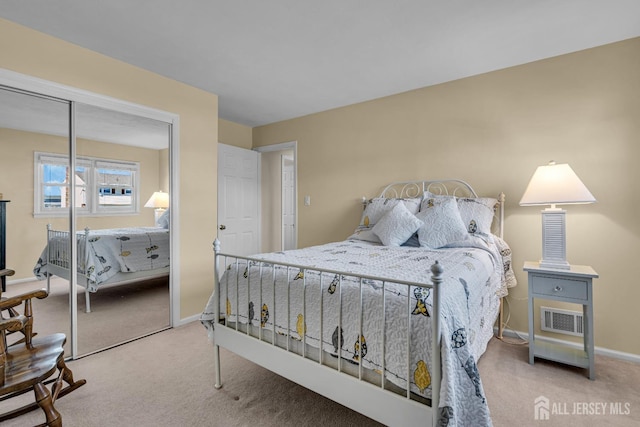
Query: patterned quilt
[[111, 251], [474, 276]]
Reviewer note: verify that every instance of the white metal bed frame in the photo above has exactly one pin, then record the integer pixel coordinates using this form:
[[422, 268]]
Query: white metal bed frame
[[374, 401], [57, 241]]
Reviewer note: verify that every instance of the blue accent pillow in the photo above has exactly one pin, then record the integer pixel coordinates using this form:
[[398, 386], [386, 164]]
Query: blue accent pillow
[[163, 221], [413, 241]]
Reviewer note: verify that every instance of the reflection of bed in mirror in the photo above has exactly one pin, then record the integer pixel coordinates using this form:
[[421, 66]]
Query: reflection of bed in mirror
[[106, 257]]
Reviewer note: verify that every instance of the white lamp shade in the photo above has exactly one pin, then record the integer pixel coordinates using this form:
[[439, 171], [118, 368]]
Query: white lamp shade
[[158, 199], [555, 184]]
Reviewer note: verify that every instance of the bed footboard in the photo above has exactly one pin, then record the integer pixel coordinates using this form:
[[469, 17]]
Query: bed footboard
[[282, 316], [58, 258]]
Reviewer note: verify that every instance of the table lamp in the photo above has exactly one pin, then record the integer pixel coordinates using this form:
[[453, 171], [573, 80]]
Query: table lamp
[[160, 202], [555, 184]]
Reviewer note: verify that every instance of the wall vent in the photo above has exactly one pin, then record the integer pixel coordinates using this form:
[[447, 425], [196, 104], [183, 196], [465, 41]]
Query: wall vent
[[561, 321]]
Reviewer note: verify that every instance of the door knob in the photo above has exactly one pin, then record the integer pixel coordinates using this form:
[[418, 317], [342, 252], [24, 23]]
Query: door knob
[[223, 227]]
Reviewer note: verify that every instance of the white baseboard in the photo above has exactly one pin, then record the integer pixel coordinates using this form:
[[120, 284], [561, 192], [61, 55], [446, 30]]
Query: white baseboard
[[18, 281], [630, 357], [186, 320]]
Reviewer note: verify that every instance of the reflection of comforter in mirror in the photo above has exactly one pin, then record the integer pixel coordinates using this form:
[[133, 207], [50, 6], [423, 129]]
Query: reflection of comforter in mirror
[[111, 251]]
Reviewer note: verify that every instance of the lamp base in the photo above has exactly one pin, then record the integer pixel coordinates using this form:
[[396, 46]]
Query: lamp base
[[553, 239], [558, 265], [157, 213]]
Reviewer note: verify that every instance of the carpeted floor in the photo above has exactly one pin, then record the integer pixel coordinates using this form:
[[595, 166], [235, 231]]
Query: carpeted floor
[[167, 380], [512, 387], [118, 312]]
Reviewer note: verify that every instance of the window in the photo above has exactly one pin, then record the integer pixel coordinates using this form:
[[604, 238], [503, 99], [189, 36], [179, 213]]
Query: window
[[103, 187]]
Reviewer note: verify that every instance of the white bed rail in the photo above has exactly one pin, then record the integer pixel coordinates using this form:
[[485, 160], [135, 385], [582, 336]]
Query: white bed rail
[[58, 248], [374, 400]]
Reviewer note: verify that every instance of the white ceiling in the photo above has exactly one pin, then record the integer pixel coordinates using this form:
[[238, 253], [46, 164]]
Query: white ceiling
[[271, 60]]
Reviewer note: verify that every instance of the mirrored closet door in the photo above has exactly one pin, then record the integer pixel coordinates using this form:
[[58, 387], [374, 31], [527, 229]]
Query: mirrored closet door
[[33, 127], [122, 227], [73, 168]]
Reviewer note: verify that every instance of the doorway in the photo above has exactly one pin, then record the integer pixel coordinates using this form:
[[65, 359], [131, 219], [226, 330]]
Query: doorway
[[288, 185], [112, 180], [279, 201]]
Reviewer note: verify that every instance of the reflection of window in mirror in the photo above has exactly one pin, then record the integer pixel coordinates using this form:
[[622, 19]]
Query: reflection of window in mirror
[[102, 186]]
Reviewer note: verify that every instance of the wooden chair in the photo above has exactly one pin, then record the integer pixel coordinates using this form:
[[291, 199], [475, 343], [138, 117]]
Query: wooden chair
[[30, 362]]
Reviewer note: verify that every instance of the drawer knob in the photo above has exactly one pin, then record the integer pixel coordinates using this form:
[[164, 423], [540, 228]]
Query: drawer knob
[[557, 288]]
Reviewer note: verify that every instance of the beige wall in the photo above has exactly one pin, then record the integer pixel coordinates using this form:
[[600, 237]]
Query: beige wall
[[26, 235], [232, 133], [32, 53], [493, 130]]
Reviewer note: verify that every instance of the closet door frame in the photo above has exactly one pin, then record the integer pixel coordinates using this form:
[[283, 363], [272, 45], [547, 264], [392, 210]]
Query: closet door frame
[[74, 95]]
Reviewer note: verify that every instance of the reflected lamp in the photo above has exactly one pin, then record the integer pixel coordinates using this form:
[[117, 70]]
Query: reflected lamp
[[159, 200], [555, 184]]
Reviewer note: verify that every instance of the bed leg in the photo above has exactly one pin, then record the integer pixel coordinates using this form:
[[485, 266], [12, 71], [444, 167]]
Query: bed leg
[[216, 363], [87, 301]]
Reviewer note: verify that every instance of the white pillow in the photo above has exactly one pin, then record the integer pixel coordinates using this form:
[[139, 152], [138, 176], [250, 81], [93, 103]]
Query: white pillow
[[396, 226], [366, 234], [376, 209], [442, 223], [477, 214]]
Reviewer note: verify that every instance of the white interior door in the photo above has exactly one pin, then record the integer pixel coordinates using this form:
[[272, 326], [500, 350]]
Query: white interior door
[[238, 200], [288, 204]]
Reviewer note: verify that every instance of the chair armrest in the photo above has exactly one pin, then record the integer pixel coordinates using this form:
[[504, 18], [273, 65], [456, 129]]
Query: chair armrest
[[7, 272], [13, 324], [14, 301]]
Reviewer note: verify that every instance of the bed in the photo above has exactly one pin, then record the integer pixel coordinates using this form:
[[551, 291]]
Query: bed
[[356, 320], [106, 257]]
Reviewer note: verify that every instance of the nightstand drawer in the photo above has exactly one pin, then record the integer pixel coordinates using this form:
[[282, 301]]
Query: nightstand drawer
[[558, 287]]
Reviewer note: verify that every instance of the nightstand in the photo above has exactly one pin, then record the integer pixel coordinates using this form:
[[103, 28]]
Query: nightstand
[[574, 286]]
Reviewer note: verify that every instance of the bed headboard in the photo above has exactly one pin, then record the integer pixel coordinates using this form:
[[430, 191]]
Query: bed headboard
[[444, 187]]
